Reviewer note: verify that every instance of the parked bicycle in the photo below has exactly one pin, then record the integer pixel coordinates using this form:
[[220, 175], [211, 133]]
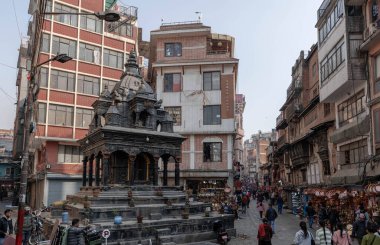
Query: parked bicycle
[[37, 233]]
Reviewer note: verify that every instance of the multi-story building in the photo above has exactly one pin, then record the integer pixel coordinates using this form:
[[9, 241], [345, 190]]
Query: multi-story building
[[238, 145], [64, 92], [342, 73], [304, 126], [371, 47], [260, 142], [195, 74], [249, 158]]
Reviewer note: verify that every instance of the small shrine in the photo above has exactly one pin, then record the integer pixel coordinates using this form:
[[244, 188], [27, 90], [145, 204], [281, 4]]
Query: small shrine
[[128, 136]]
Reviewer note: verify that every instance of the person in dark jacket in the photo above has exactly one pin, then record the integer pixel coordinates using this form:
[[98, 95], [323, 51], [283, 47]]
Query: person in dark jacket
[[322, 214], [6, 226], [310, 214], [359, 228], [280, 204], [75, 234], [333, 219]]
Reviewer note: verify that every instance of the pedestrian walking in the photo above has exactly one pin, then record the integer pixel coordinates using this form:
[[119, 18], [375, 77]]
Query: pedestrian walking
[[310, 212], [260, 208], [75, 234], [6, 226], [322, 214], [371, 238], [271, 216], [265, 233], [27, 226], [273, 198], [323, 235], [303, 236], [333, 218], [359, 228], [280, 204], [248, 198], [341, 236]]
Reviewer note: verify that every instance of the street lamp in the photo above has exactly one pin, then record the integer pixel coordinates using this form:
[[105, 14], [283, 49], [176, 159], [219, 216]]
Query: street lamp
[[62, 58], [108, 15]]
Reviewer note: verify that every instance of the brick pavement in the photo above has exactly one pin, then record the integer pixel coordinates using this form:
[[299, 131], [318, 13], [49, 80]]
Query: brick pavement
[[287, 225]]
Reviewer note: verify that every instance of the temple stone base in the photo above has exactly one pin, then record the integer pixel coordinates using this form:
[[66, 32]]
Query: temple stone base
[[168, 217]]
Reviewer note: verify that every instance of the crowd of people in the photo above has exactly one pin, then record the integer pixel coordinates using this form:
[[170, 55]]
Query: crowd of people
[[329, 231]]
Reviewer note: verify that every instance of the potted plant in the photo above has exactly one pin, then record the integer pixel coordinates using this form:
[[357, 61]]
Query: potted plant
[[139, 217], [118, 219]]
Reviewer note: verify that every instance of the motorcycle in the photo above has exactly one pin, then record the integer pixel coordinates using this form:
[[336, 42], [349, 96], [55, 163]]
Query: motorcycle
[[37, 232], [222, 236]]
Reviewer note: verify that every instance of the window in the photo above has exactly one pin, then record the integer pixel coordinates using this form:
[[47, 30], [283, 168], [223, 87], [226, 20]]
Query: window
[[89, 53], [68, 19], [326, 109], [332, 61], [62, 80], [211, 115], [64, 46], [211, 80], [61, 115], [314, 69], [375, 10], [88, 85], [91, 23], [351, 108], [45, 43], [377, 73], [173, 49], [43, 77], [176, 113], [354, 152], [48, 8], [41, 112], [84, 117], [172, 82], [376, 119], [110, 84], [331, 21], [113, 59], [68, 154], [124, 30], [303, 173], [212, 152]]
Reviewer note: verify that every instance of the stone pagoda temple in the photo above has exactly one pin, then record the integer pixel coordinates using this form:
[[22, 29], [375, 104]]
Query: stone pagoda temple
[[128, 136]]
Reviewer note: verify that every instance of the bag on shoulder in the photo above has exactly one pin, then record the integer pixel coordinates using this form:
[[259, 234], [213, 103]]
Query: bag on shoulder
[[312, 238]]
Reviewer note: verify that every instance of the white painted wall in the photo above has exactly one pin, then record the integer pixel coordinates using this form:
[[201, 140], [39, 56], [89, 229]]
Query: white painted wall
[[193, 98]]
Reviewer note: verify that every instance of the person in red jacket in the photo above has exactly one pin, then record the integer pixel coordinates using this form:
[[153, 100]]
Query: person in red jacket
[[264, 234]]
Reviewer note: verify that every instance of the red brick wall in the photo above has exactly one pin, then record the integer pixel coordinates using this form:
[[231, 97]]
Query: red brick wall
[[42, 58], [84, 100], [62, 97], [60, 132], [69, 65], [80, 133], [52, 151], [112, 73], [42, 94], [90, 37], [129, 47], [187, 42], [47, 25], [93, 5], [72, 2], [199, 164], [65, 30], [113, 43], [52, 158], [228, 96], [40, 130], [89, 68]]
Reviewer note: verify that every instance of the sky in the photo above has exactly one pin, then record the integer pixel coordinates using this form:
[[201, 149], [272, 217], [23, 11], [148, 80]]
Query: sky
[[269, 36]]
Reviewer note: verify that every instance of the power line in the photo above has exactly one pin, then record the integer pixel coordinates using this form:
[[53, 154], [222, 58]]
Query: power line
[[2, 64], [18, 27], [13, 99]]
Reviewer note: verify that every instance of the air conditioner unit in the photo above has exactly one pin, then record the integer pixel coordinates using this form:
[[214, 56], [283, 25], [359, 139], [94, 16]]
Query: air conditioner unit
[[48, 166]]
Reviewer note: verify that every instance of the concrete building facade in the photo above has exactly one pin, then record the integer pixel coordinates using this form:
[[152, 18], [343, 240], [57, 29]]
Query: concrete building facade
[[194, 71], [64, 92]]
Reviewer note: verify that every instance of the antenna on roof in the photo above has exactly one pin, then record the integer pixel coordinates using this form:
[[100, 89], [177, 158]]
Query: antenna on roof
[[199, 16]]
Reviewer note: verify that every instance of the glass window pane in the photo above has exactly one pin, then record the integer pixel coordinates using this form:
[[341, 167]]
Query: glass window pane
[[207, 81], [216, 80]]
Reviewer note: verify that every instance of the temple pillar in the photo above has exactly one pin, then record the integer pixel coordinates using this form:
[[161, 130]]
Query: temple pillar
[[106, 170], [155, 172], [132, 171], [91, 171], [165, 174], [97, 170], [176, 172], [84, 177]]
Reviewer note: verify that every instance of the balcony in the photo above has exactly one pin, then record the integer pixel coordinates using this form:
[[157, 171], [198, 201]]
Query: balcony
[[294, 88], [219, 45], [281, 122], [355, 2], [355, 24], [323, 7], [293, 111], [371, 36], [282, 140]]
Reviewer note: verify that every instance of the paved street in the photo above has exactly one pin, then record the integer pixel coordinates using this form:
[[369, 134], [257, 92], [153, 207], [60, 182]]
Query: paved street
[[246, 228]]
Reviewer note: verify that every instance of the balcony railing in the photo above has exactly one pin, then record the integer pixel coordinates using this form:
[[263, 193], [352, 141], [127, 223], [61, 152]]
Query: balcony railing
[[279, 119], [293, 110], [282, 140], [355, 24], [323, 8]]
